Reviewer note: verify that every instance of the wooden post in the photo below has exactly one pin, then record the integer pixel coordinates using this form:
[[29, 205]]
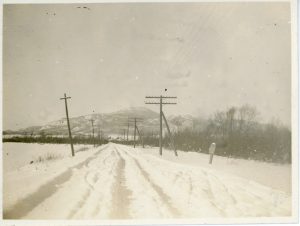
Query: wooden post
[[69, 128], [212, 149]]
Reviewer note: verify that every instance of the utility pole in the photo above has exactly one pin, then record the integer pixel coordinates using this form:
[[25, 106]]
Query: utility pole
[[92, 121], [160, 125], [135, 120], [161, 116], [140, 136], [69, 128]]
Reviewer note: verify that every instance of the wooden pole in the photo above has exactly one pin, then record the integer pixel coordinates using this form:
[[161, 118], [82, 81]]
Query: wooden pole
[[140, 136], [160, 115], [160, 125], [69, 128]]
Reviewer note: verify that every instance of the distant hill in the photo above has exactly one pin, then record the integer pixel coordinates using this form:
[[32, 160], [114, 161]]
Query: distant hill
[[110, 123]]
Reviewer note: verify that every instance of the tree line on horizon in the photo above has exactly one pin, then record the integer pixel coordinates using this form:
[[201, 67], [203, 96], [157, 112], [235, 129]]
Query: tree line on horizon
[[237, 133]]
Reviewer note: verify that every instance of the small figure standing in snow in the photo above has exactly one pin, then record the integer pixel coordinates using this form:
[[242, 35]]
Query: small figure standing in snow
[[212, 149]]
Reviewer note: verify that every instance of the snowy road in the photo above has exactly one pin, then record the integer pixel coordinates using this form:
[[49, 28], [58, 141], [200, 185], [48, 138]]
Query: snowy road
[[119, 182]]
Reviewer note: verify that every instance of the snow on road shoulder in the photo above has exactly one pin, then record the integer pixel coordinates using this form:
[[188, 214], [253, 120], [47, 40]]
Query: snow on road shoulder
[[25, 181], [85, 195], [260, 172]]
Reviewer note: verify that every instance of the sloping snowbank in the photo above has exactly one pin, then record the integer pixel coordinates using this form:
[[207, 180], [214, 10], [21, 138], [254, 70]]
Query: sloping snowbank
[[276, 176], [31, 177]]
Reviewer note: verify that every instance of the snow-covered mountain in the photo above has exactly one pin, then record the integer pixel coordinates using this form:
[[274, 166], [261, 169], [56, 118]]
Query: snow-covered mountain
[[110, 123]]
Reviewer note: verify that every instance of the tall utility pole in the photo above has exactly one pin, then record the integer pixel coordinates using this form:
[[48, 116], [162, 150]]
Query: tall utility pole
[[69, 128], [160, 125], [161, 117], [92, 120]]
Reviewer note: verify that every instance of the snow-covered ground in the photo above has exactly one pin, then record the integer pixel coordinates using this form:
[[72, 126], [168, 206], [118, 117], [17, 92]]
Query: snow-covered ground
[[118, 182], [16, 155], [277, 176]]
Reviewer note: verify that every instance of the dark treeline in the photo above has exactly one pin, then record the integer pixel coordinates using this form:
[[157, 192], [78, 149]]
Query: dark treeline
[[237, 133], [55, 140]]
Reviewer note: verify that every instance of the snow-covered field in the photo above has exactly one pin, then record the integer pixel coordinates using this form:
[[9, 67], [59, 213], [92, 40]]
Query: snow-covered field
[[118, 182], [16, 155]]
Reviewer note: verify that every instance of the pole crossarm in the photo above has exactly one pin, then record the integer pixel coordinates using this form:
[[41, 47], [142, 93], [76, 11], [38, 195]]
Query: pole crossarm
[[161, 97], [64, 98], [159, 103]]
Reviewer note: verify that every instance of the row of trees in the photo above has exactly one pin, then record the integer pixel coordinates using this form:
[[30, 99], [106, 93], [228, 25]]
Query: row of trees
[[56, 140], [237, 133]]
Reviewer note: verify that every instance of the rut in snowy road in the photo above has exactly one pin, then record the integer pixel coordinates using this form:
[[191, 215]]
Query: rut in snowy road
[[120, 194]]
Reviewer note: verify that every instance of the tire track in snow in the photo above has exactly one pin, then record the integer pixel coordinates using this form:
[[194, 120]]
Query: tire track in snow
[[226, 189], [179, 175], [98, 207], [28, 203], [163, 196], [120, 193], [80, 204], [211, 196], [166, 199], [93, 172]]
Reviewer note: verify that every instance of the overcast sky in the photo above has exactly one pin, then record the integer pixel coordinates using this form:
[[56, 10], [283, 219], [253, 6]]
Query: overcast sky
[[110, 56]]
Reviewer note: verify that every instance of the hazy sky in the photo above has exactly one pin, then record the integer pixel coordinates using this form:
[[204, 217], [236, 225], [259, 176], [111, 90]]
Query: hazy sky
[[110, 56]]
